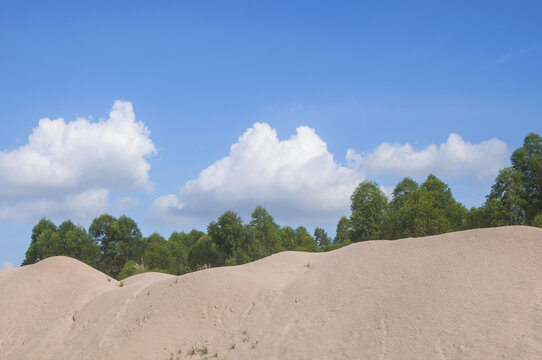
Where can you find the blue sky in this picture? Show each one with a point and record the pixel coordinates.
(405, 88)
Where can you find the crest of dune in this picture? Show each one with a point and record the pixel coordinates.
(474, 294)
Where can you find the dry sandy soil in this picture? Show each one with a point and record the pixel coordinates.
(469, 295)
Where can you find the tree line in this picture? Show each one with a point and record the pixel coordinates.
(117, 247)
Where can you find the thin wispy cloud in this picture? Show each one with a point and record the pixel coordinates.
(511, 55)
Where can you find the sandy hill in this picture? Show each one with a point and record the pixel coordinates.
(469, 295)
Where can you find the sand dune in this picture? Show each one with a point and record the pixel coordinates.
(469, 295)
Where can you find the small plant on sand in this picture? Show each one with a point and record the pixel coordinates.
(200, 350)
(202, 267)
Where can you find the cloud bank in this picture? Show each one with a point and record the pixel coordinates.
(454, 158)
(295, 179)
(70, 167)
(298, 179)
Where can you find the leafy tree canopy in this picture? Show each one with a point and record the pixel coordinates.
(322, 238)
(344, 230)
(230, 237)
(368, 207)
(528, 161)
(203, 253)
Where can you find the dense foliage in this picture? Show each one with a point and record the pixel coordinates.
(117, 247)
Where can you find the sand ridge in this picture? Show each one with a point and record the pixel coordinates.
(474, 294)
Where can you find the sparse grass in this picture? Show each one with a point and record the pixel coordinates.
(202, 267)
(200, 350)
(120, 284)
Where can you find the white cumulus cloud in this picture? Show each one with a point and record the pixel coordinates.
(294, 179)
(298, 179)
(70, 167)
(456, 157)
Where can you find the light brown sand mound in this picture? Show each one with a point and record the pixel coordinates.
(469, 295)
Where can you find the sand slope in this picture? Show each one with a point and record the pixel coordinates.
(469, 295)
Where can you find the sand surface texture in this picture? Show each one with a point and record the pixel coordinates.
(469, 295)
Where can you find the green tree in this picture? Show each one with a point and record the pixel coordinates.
(506, 204)
(402, 211)
(304, 241)
(528, 161)
(77, 243)
(203, 253)
(120, 240)
(179, 246)
(436, 210)
(32, 256)
(230, 237)
(41, 226)
(87, 250)
(49, 244)
(67, 240)
(537, 221)
(342, 235)
(287, 238)
(103, 232)
(130, 241)
(297, 239)
(131, 268)
(368, 207)
(157, 255)
(322, 238)
(477, 218)
(264, 235)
